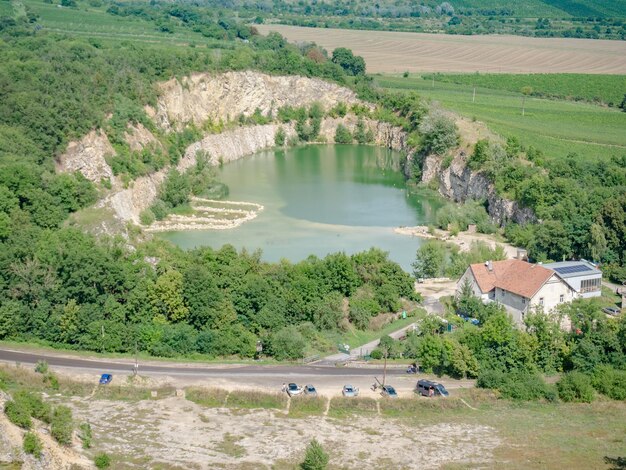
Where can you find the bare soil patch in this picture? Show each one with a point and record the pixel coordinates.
(177, 432)
(386, 51)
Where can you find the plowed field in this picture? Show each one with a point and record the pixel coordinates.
(386, 51)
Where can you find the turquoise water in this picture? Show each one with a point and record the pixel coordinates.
(320, 199)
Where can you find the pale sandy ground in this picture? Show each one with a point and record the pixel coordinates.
(176, 431)
(387, 51)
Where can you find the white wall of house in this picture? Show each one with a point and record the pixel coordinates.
(553, 293)
(475, 289)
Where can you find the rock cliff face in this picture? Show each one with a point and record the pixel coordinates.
(200, 97)
(459, 183)
(88, 155)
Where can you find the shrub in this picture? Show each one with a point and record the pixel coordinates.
(287, 343)
(41, 367)
(61, 426)
(376, 354)
(85, 435)
(342, 135)
(315, 458)
(159, 209)
(146, 217)
(34, 405)
(18, 414)
(102, 460)
(516, 385)
(575, 386)
(32, 444)
(279, 138)
(610, 382)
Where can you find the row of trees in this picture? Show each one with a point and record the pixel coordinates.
(64, 287)
(506, 357)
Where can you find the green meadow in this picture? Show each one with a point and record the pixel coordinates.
(557, 127)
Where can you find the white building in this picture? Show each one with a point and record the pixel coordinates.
(521, 287)
(582, 276)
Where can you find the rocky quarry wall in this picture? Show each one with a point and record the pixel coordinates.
(201, 97)
(459, 183)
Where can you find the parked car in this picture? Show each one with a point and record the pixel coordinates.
(310, 390)
(466, 317)
(428, 388)
(612, 311)
(293, 389)
(350, 391)
(105, 379)
(389, 392)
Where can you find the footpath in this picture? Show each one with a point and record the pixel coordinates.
(430, 304)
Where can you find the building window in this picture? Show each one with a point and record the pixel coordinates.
(590, 285)
(561, 298)
(541, 301)
(523, 301)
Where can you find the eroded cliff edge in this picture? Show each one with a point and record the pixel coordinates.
(204, 98)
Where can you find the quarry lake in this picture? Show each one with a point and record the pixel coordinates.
(320, 199)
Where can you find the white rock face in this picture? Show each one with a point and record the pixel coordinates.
(200, 97)
(88, 155)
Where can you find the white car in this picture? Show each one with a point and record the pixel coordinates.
(293, 389)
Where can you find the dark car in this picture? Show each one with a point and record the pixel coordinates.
(389, 392)
(612, 311)
(105, 379)
(310, 390)
(428, 388)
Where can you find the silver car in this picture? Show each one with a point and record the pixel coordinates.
(350, 391)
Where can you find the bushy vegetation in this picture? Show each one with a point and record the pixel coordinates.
(314, 458)
(61, 425)
(102, 460)
(575, 386)
(32, 444)
(438, 259)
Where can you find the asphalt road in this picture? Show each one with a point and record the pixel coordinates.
(192, 370)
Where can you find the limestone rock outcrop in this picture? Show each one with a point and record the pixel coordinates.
(200, 97)
(459, 183)
(88, 156)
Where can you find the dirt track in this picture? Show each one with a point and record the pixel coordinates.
(386, 51)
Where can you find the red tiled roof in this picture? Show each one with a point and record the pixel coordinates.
(512, 275)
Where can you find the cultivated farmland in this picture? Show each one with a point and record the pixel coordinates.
(556, 127)
(386, 51)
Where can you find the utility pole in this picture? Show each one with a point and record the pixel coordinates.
(385, 367)
(474, 95)
(433, 80)
(136, 366)
(102, 347)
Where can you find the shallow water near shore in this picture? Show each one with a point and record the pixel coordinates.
(320, 199)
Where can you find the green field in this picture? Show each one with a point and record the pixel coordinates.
(607, 89)
(557, 127)
(97, 23)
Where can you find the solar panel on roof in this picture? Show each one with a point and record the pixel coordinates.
(579, 268)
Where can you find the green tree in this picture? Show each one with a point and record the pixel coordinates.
(342, 135)
(439, 133)
(314, 458)
(353, 65)
(166, 297)
(287, 343)
(429, 260)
